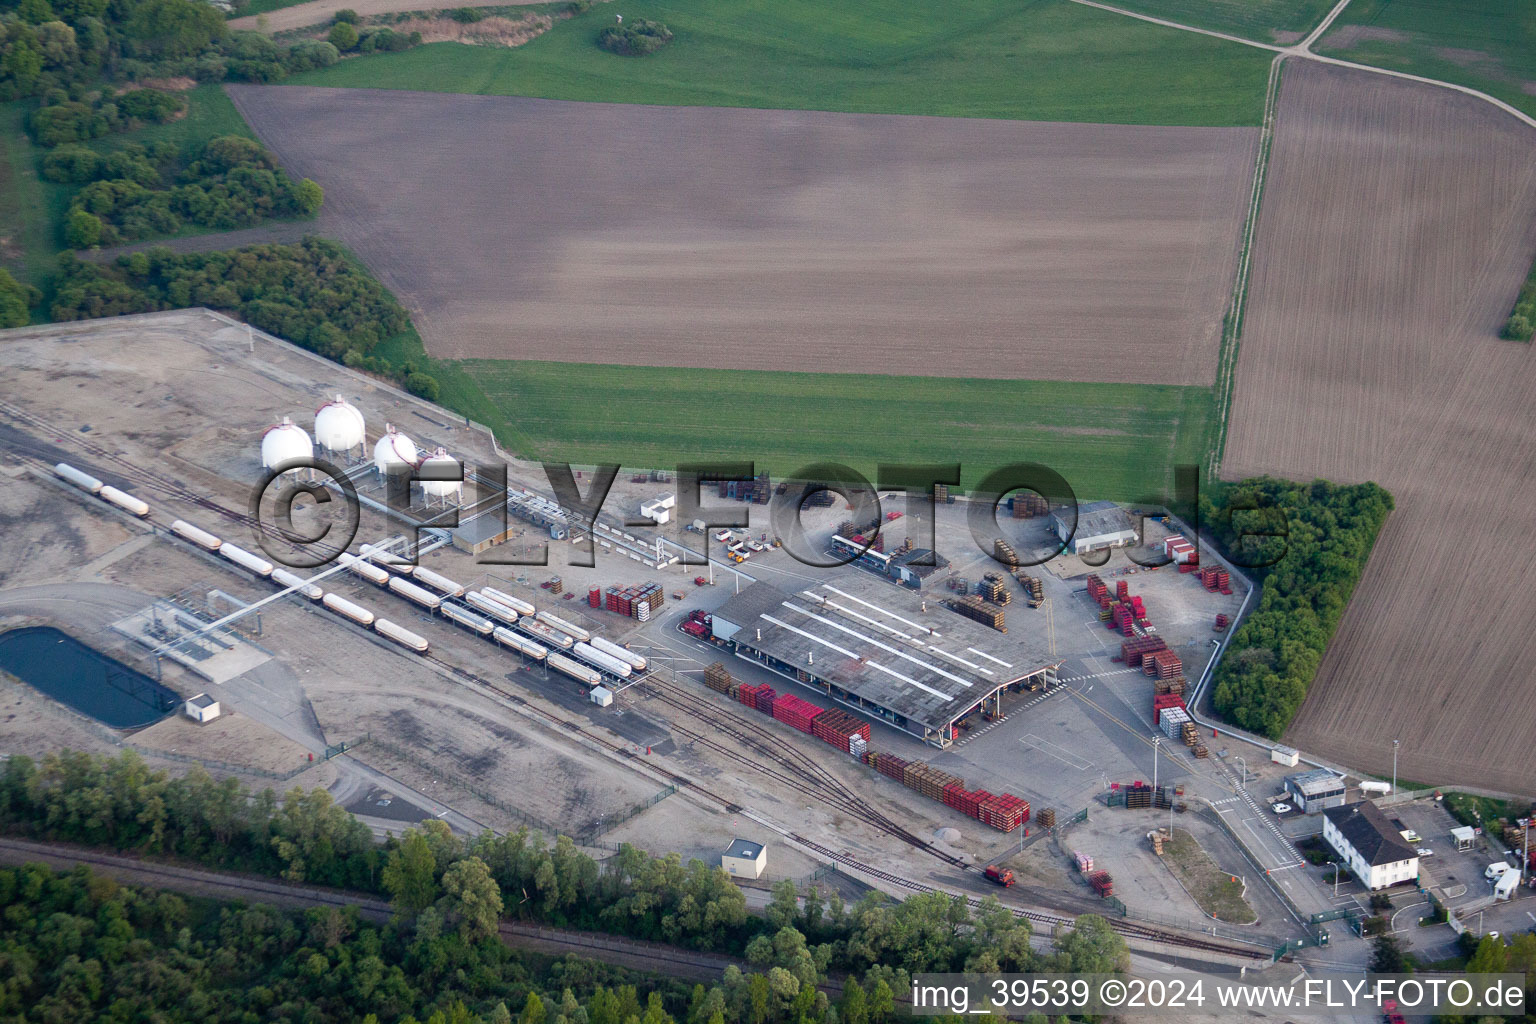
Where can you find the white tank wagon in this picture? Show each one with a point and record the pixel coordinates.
(202, 538)
(386, 558)
(495, 609)
(624, 654)
(411, 592)
(81, 479)
(367, 570)
(296, 582)
(606, 662)
(517, 604)
(341, 606)
(524, 646)
(568, 628)
(565, 666)
(124, 500)
(401, 635)
(544, 634)
(245, 560)
(437, 581)
(466, 618)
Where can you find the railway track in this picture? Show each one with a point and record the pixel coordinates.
(804, 773)
(128, 468)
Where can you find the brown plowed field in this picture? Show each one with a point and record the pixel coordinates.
(1398, 222)
(584, 232)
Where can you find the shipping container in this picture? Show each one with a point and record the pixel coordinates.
(124, 500)
(202, 538)
(79, 478)
(400, 635)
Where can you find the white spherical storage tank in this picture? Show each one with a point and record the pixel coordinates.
(283, 443)
(447, 465)
(339, 426)
(394, 452)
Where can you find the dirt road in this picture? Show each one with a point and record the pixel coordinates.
(317, 12)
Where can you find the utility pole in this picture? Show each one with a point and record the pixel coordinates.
(1394, 767)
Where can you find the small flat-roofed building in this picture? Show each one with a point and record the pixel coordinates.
(1316, 790)
(482, 532)
(745, 859)
(1100, 524)
(1463, 836)
(202, 708)
(1370, 847)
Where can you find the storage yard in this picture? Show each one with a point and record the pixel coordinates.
(1088, 252)
(437, 677)
(1403, 218)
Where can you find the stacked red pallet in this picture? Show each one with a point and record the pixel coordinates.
(1122, 590)
(963, 800)
(1102, 883)
(1004, 812)
(890, 766)
(1128, 625)
(747, 694)
(764, 700)
(1098, 591)
(1132, 651)
(793, 711)
(1163, 702)
(835, 727)
(1216, 579)
(1191, 566)
(1139, 608)
(1163, 664)
(595, 597)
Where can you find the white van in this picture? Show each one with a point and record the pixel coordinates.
(1495, 869)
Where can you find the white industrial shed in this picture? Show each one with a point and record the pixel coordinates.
(745, 859)
(202, 708)
(1100, 524)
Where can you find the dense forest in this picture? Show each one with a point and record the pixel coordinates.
(1307, 544)
(70, 47)
(140, 192)
(441, 884)
(311, 293)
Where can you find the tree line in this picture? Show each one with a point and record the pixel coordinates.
(72, 45)
(1311, 542)
(449, 893)
(140, 191)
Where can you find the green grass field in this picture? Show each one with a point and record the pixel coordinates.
(1029, 60)
(27, 230)
(1108, 440)
(1251, 19)
(1486, 44)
